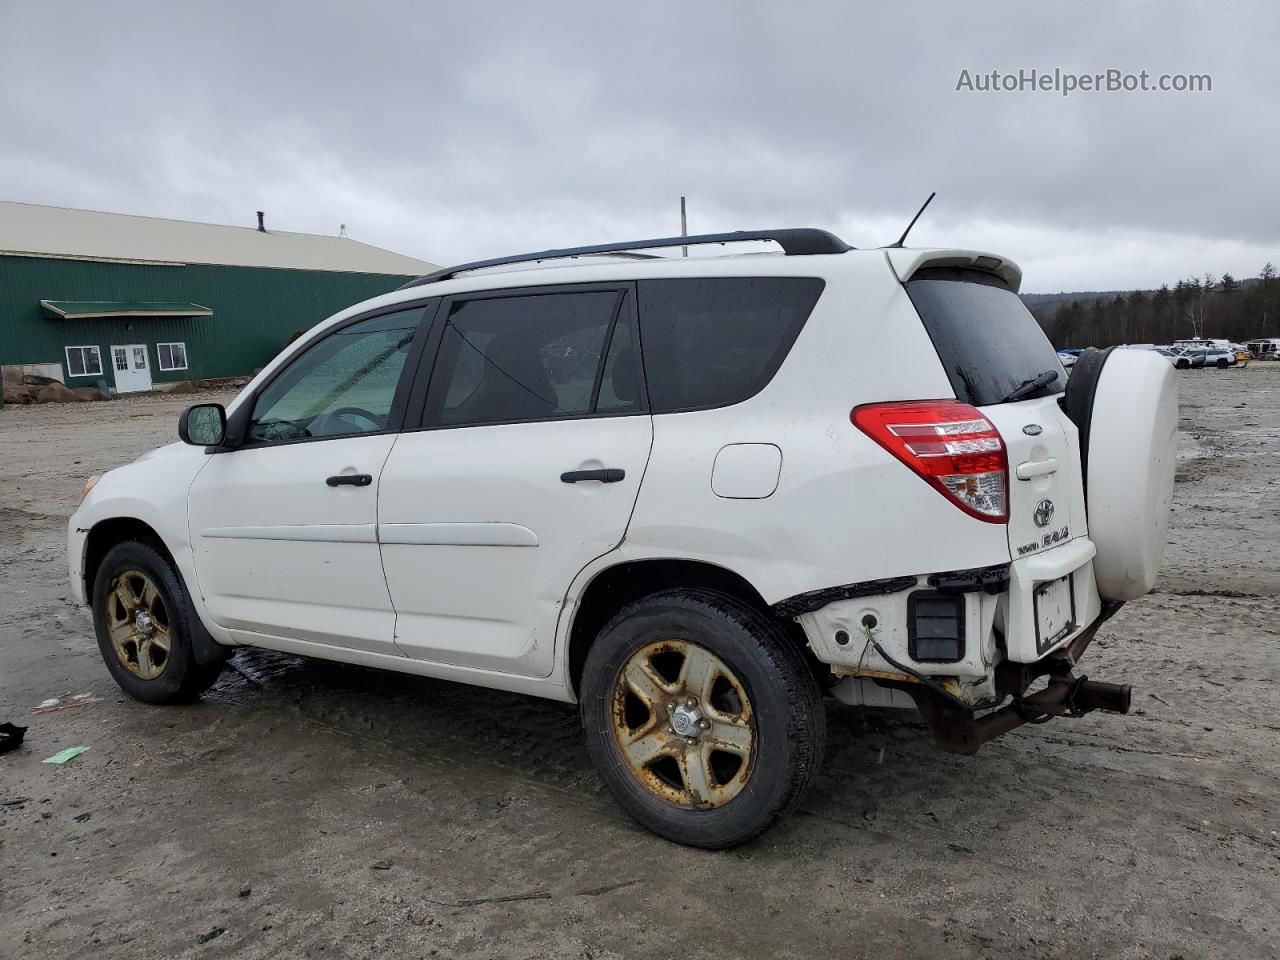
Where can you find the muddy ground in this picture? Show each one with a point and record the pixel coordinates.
(318, 810)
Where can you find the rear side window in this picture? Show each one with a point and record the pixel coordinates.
(710, 343)
(986, 339)
(534, 357)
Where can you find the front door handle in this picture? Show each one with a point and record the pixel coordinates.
(350, 480)
(606, 475)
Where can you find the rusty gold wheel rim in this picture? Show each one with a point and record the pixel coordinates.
(683, 724)
(138, 622)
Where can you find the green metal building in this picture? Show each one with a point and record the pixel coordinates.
(135, 303)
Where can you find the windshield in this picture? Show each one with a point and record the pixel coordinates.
(989, 344)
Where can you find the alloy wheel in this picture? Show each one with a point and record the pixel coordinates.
(683, 723)
(138, 622)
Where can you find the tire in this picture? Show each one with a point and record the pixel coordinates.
(1125, 405)
(1222, 364)
(1184, 364)
(759, 700)
(1078, 399)
(134, 569)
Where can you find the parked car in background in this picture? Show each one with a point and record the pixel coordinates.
(568, 481)
(1218, 352)
(1067, 359)
(1264, 348)
(1189, 359)
(1203, 343)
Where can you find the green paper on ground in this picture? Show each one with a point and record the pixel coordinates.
(62, 756)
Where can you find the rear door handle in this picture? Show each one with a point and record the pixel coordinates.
(1037, 468)
(606, 475)
(350, 480)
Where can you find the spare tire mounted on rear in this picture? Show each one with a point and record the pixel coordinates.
(1125, 405)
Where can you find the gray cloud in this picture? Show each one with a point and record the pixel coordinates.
(457, 131)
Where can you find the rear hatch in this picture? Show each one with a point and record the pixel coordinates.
(998, 359)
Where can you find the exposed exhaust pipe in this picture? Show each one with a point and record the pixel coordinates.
(1066, 695)
(1096, 695)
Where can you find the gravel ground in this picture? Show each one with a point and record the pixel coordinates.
(313, 809)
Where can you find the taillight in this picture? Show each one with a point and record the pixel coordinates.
(950, 444)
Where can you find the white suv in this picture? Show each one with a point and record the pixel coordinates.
(1217, 353)
(692, 495)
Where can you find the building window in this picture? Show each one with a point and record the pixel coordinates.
(173, 356)
(120, 357)
(84, 362)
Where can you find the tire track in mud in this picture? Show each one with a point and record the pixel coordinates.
(501, 737)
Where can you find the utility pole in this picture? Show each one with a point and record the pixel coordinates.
(684, 226)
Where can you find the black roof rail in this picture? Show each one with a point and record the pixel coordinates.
(795, 242)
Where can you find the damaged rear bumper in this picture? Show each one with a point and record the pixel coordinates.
(957, 730)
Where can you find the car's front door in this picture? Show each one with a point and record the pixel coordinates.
(523, 466)
(284, 528)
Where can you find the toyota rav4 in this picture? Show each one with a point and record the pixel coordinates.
(693, 495)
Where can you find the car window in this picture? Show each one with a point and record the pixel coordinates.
(341, 386)
(620, 387)
(713, 342)
(989, 343)
(532, 357)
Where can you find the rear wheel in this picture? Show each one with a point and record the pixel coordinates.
(144, 622)
(1223, 364)
(702, 717)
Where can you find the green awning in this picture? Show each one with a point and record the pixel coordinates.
(88, 309)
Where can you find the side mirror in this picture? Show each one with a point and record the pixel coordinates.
(204, 425)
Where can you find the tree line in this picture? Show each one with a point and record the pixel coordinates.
(1205, 306)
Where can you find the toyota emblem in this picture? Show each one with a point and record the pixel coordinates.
(1044, 513)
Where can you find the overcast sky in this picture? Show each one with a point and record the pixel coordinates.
(451, 132)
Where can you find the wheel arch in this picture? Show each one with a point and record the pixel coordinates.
(110, 531)
(612, 588)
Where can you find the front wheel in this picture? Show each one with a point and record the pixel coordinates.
(144, 623)
(1183, 364)
(702, 717)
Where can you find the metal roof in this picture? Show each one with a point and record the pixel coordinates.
(28, 229)
(93, 309)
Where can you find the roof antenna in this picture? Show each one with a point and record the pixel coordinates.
(903, 238)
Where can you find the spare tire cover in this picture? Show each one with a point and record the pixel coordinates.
(1125, 404)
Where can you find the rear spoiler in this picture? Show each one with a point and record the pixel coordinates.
(907, 262)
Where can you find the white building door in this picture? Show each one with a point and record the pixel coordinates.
(133, 372)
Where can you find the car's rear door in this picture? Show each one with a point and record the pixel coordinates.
(994, 352)
(523, 464)
(284, 528)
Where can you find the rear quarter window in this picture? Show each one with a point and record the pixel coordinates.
(987, 340)
(714, 342)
